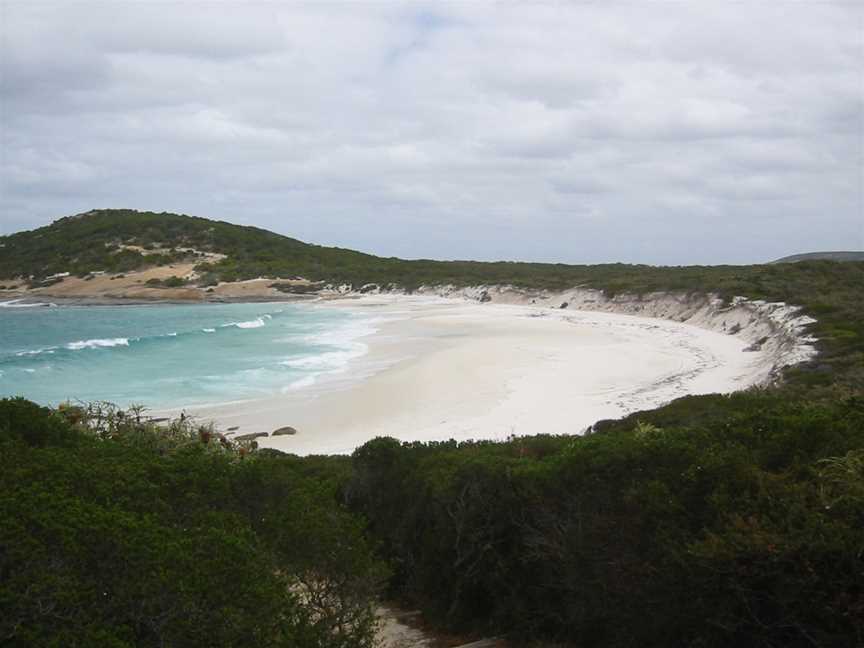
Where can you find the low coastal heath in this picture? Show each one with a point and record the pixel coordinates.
(441, 369)
(172, 355)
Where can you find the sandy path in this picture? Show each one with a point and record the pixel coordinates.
(469, 371)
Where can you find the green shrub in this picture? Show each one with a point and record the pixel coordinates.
(714, 521)
(114, 532)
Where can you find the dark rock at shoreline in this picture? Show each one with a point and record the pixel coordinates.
(284, 430)
(250, 436)
(757, 345)
(234, 428)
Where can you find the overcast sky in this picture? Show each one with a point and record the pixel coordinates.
(654, 132)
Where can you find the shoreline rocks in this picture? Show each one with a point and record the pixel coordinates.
(251, 436)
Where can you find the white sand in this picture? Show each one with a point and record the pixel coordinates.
(443, 369)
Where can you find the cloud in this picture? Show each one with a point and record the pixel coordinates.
(589, 132)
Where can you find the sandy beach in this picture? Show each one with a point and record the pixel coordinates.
(441, 369)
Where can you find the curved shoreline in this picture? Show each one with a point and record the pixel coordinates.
(775, 328)
(448, 368)
(428, 377)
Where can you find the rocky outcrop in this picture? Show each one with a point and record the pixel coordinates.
(250, 437)
(282, 431)
(775, 329)
(347, 290)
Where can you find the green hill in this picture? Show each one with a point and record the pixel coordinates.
(120, 240)
(822, 256)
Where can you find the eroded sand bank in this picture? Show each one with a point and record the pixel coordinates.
(440, 369)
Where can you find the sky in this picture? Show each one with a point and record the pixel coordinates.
(706, 131)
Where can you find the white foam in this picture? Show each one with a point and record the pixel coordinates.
(256, 323)
(17, 303)
(342, 336)
(251, 324)
(208, 330)
(341, 347)
(306, 381)
(97, 343)
(329, 360)
(36, 351)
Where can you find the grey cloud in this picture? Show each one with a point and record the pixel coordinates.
(579, 185)
(582, 133)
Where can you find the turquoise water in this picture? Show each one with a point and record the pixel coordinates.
(172, 355)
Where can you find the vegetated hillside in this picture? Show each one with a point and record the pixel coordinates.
(822, 256)
(120, 240)
(101, 240)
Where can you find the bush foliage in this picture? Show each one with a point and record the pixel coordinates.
(116, 533)
(744, 529)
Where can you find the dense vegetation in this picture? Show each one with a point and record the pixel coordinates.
(713, 521)
(94, 241)
(741, 526)
(822, 256)
(115, 533)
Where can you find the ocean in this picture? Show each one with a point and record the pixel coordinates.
(169, 356)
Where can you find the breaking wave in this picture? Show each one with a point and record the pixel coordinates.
(251, 324)
(97, 343)
(20, 303)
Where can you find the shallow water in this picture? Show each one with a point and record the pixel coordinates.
(170, 355)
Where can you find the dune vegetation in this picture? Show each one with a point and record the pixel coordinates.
(117, 532)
